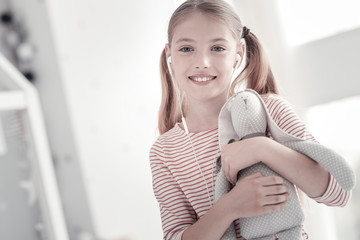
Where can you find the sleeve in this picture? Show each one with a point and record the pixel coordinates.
(176, 211)
(334, 195)
(287, 119)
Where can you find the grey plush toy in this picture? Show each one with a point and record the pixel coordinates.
(245, 115)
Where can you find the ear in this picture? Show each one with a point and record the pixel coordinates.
(167, 50)
(168, 54)
(241, 49)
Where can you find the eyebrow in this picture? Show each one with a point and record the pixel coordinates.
(192, 40)
(185, 40)
(219, 40)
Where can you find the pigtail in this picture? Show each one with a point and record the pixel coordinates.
(257, 71)
(169, 112)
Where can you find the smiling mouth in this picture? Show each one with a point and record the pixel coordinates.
(202, 79)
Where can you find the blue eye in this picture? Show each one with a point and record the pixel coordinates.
(218, 49)
(186, 49)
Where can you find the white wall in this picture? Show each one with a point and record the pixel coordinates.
(328, 69)
(31, 17)
(309, 73)
(109, 55)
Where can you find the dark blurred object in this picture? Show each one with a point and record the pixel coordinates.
(29, 76)
(6, 18)
(21, 51)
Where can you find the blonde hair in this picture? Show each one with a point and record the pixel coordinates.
(257, 71)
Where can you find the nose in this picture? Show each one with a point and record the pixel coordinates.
(202, 60)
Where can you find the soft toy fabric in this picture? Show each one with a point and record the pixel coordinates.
(245, 115)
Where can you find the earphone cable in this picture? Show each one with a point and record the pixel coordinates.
(198, 165)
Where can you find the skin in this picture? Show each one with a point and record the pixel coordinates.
(207, 49)
(204, 47)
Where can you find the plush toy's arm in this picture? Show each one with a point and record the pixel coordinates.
(287, 120)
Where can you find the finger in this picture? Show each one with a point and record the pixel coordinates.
(229, 173)
(271, 180)
(276, 199)
(273, 208)
(253, 176)
(226, 169)
(276, 189)
(232, 176)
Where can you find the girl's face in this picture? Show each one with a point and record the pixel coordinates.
(203, 52)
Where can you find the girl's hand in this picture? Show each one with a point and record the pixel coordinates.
(256, 195)
(239, 155)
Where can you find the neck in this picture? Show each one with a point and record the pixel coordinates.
(203, 115)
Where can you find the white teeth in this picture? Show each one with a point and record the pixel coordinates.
(203, 79)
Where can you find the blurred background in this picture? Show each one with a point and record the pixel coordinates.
(79, 97)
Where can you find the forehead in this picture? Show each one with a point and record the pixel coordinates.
(201, 27)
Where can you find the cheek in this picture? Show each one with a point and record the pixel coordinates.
(225, 64)
(226, 70)
(178, 66)
(179, 74)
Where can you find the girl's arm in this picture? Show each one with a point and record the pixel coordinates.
(175, 210)
(287, 119)
(334, 196)
(301, 170)
(179, 220)
(252, 196)
(307, 174)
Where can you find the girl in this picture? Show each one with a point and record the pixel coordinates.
(206, 42)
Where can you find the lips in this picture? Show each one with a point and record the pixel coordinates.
(202, 78)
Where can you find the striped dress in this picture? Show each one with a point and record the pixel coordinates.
(184, 184)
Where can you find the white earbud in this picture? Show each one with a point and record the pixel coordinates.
(238, 61)
(185, 125)
(169, 65)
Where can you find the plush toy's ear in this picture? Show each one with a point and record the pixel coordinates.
(248, 115)
(233, 124)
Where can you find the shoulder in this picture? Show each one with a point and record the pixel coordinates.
(277, 105)
(169, 137)
(164, 141)
(279, 108)
(271, 97)
(284, 115)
